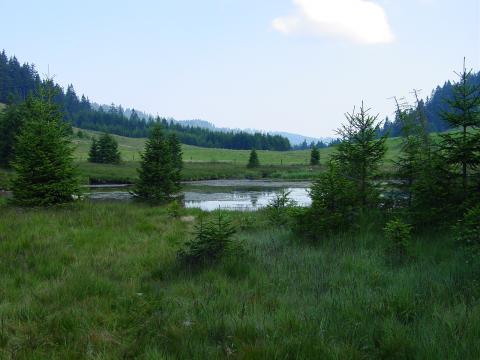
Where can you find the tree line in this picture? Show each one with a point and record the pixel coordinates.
(18, 81)
(433, 107)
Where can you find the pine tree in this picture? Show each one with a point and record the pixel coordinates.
(253, 161)
(176, 152)
(463, 148)
(104, 150)
(157, 180)
(11, 121)
(314, 156)
(415, 145)
(45, 174)
(108, 149)
(93, 153)
(360, 152)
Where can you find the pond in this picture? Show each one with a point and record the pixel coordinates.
(243, 195)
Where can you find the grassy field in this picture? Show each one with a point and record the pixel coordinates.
(101, 281)
(130, 149)
(204, 163)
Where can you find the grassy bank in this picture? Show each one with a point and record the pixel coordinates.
(127, 173)
(102, 281)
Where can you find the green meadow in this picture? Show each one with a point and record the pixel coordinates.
(101, 281)
(205, 163)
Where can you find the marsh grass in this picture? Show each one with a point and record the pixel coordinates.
(101, 281)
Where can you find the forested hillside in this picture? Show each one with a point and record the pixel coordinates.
(432, 108)
(17, 81)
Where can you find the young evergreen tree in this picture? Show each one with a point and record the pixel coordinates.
(108, 149)
(360, 152)
(176, 152)
(333, 205)
(414, 148)
(93, 155)
(157, 180)
(45, 174)
(104, 150)
(253, 161)
(11, 121)
(314, 156)
(434, 192)
(462, 148)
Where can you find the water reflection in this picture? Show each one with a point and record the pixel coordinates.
(242, 200)
(240, 195)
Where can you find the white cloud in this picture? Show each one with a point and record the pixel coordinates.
(361, 21)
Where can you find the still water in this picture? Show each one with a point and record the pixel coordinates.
(244, 195)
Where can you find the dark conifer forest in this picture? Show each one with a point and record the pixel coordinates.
(432, 107)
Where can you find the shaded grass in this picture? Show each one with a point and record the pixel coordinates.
(5, 178)
(101, 281)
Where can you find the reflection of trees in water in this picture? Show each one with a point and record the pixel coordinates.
(254, 199)
(254, 196)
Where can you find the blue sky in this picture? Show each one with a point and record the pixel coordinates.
(290, 65)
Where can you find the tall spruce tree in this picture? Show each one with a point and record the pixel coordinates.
(93, 155)
(314, 156)
(176, 153)
(11, 121)
(104, 150)
(415, 145)
(157, 179)
(108, 149)
(360, 152)
(253, 161)
(45, 174)
(462, 148)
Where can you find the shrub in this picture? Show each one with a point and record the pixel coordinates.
(314, 156)
(279, 209)
(253, 161)
(174, 209)
(212, 241)
(332, 210)
(468, 229)
(468, 235)
(398, 236)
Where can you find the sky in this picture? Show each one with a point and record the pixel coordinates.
(285, 65)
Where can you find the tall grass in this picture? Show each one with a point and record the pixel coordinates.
(101, 281)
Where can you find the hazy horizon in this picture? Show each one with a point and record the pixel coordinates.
(294, 66)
